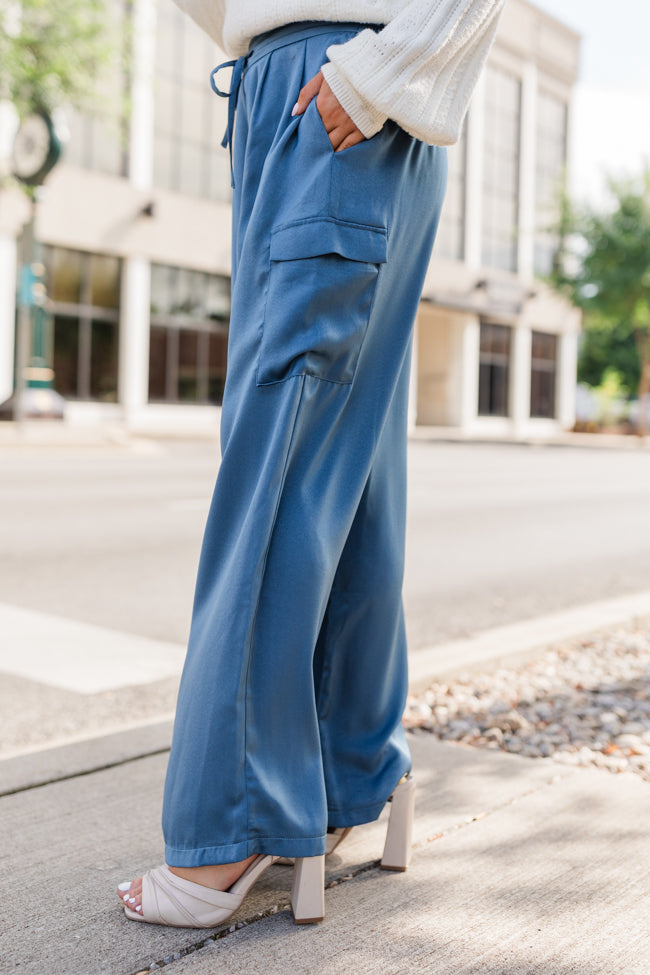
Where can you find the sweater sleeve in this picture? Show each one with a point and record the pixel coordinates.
(420, 70)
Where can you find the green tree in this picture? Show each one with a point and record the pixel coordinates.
(55, 52)
(604, 267)
(608, 344)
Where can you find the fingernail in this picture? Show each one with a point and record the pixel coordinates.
(124, 886)
(294, 110)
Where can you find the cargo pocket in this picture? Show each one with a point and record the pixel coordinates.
(322, 280)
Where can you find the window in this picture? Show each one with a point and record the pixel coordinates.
(501, 169)
(494, 370)
(542, 374)
(550, 163)
(190, 312)
(99, 135)
(450, 240)
(85, 294)
(98, 142)
(189, 118)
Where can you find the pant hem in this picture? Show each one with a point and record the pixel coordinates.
(233, 852)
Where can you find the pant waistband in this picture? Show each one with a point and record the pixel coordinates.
(263, 44)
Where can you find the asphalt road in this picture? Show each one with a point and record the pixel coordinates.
(496, 533)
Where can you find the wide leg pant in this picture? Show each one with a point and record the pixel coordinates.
(289, 712)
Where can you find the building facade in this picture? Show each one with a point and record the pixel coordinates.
(135, 233)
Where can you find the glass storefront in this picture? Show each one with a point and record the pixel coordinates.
(85, 293)
(494, 369)
(543, 373)
(190, 312)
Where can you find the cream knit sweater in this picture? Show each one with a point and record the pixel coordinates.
(420, 70)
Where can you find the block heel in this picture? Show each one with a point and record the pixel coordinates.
(397, 849)
(308, 890)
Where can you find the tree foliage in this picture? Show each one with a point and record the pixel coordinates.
(608, 344)
(604, 267)
(53, 52)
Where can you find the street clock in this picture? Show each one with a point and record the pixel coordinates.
(37, 148)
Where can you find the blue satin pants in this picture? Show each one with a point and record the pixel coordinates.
(290, 705)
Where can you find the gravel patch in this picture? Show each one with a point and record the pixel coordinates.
(583, 703)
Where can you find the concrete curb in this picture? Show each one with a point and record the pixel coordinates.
(497, 647)
(23, 772)
(567, 438)
(516, 642)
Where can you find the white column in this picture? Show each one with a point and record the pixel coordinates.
(141, 136)
(9, 122)
(520, 365)
(470, 343)
(527, 162)
(474, 176)
(567, 372)
(413, 380)
(8, 260)
(133, 382)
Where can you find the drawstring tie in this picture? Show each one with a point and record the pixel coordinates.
(232, 95)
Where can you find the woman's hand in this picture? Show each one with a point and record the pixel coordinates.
(339, 126)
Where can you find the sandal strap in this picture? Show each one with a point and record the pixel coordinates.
(168, 899)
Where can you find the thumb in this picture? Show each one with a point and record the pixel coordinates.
(309, 91)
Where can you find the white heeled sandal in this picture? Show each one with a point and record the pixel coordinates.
(172, 900)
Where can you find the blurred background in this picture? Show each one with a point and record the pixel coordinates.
(132, 225)
(531, 359)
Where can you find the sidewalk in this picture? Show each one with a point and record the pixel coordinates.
(520, 866)
(52, 692)
(116, 434)
(563, 438)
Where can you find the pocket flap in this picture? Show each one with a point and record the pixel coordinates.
(324, 235)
